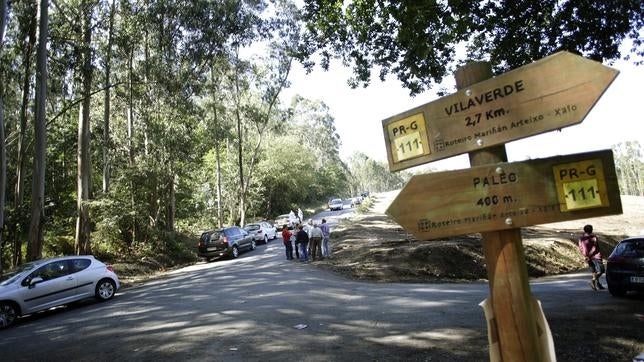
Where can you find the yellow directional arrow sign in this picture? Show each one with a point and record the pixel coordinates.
(552, 93)
(508, 195)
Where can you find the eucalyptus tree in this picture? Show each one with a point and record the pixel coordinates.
(107, 99)
(83, 228)
(312, 125)
(418, 41)
(34, 247)
(369, 174)
(26, 17)
(629, 162)
(3, 150)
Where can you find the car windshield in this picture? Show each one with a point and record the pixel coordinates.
(251, 227)
(336, 201)
(11, 276)
(285, 216)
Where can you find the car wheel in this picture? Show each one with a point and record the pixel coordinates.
(8, 314)
(105, 289)
(265, 239)
(616, 291)
(235, 251)
(253, 244)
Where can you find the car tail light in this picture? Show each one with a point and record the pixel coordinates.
(110, 268)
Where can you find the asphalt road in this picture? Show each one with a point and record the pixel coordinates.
(261, 307)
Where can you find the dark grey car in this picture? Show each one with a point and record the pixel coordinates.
(625, 267)
(226, 242)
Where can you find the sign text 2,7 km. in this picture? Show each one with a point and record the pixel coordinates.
(552, 93)
(508, 195)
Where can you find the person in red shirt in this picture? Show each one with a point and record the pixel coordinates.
(286, 238)
(589, 247)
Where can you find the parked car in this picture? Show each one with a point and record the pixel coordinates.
(226, 242)
(290, 220)
(336, 204)
(625, 267)
(47, 283)
(262, 231)
(356, 201)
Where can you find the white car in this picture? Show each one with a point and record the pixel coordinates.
(336, 204)
(261, 231)
(47, 283)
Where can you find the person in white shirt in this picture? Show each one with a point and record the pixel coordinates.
(315, 242)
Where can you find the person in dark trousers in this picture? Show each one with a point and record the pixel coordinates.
(302, 239)
(589, 247)
(286, 239)
(315, 241)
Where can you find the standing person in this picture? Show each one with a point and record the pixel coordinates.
(295, 244)
(300, 214)
(302, 238)
(292, 219)
(286, 239)
(589, 247)
(315, 239)
(326, 233)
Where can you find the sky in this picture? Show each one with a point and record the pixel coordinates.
(616, 117)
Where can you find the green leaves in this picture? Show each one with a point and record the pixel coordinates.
(417, 41)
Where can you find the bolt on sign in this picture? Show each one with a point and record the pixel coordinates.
(508, 195)
(552, 93)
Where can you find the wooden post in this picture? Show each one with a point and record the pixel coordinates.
(516, 326)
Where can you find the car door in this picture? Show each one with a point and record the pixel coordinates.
(244, 238)
(85, 278)
(56, 287)
(233, 236)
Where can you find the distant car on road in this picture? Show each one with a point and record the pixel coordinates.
(336, 204)
(261, 231)
(226, 242)
(47, 283)
(625, 267)
(356, 201)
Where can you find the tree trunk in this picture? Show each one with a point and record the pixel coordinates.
(19, 189)
(217, 134)
(106, 111)
(130, 135)
(3, 150)
(172, 204)
(240, 144)
(82, 245)
(34, 247)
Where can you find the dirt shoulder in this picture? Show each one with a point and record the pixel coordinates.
(371, 246)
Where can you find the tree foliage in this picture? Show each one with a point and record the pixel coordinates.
(629, 164)
(419, 42)
(170, 111)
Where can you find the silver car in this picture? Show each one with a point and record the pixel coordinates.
(48, 283)
(261, 231)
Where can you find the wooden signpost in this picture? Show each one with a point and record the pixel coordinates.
(552, 93)
(494, 197)
(508, 195)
